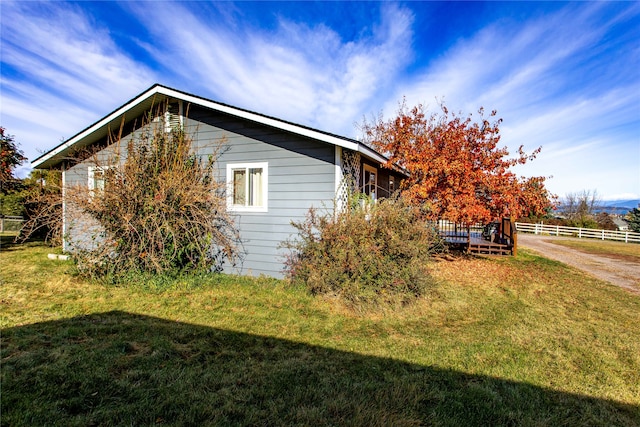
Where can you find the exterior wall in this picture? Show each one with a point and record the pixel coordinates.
(80, 231)
(301, 174)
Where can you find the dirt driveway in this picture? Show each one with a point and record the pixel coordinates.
(623, 273)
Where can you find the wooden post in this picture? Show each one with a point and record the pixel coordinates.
(514, 238)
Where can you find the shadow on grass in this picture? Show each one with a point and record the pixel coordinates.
(119, 368)
(7, 240)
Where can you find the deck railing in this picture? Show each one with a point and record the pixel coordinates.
(502, 238)
(586, 233)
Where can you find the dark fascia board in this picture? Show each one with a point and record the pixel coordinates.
(158, 93)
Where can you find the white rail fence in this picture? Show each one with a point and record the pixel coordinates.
(11, 224)
(583, 233)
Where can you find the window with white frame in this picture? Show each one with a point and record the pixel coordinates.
(247, 187)
(96, 175)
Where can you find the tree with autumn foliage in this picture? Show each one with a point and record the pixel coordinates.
(456, 169)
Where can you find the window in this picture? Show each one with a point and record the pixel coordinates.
(96, 180)
(369, 181)
(247, 187)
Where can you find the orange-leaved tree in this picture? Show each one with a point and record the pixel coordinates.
(456, 169)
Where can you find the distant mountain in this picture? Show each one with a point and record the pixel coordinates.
(619, 207)
(613, 207)
(629, 204)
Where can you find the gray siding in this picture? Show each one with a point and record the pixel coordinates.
(301, 174)
(80, 230)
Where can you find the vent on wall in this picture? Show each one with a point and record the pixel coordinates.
(173, 117)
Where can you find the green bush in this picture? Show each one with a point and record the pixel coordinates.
(369, 253)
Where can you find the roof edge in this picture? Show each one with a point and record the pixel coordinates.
(49, 155)
(262, 118)
(48, 159)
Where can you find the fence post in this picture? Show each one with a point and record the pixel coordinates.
(626, 237)
(557, 230)
(602, 234)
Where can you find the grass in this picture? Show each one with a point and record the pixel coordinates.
(522, 341)
(618, 250)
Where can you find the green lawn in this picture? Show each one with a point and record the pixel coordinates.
(620, 250)
(522, 341)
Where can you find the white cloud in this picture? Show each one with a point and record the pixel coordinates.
(67, 73)
(65, 50)
(63, 70)
(546, 81)
(296, 72)
(623, 196)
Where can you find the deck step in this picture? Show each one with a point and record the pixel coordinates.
(490, 249)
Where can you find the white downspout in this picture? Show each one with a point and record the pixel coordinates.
(338, 179)
(65, 244)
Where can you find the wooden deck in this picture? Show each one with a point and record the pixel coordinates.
(499, 241)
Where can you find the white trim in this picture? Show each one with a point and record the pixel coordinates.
(65, 243)
(265, 186)
(91, 177)
(167, 121)
(91, 183)
(338, 168)
(260, 118)
(105, 121)
(180, 96)
(339, 184)
(368, 152)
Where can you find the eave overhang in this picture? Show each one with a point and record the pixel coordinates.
(157, 94)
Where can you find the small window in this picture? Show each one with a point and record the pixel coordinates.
(392, 185)
(247, 187)
(96, 180)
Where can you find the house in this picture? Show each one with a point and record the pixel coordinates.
(620, 223)
(290, 167)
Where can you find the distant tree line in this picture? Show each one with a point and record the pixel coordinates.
(37, 198)
(583, 210)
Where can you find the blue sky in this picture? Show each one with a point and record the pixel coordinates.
(564, 76)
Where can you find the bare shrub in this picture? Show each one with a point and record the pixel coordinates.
(580, 209)
(43, 207)
(160, 210)
(369, 253)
